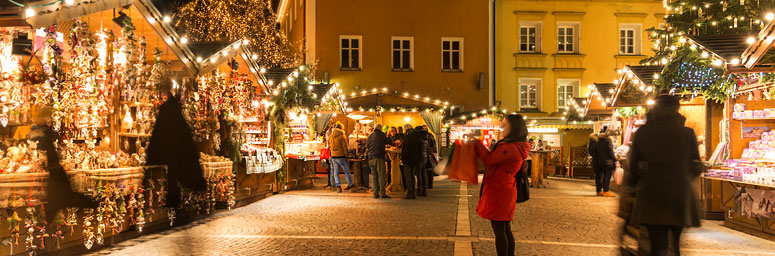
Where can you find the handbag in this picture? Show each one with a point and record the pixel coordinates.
(523, 186)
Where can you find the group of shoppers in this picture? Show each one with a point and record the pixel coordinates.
(418, 158)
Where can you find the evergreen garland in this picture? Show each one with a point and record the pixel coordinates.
(290, 95)
(700, 18)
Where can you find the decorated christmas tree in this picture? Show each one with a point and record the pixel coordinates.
(215, 20)
(692, 70)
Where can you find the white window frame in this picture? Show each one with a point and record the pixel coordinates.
(575, 42)
(637, 38)
(530, 82)
(360, 51)
(562, 85)
(537, 40)
(411, 52)
(460, 51)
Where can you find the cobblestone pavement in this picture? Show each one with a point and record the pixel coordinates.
(563, 219)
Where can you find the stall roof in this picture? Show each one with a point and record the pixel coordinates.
(762, 44)
(644, 75)
(277, 75)
(387, 100)
(726, 47)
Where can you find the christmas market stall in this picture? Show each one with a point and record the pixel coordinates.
(97, 74)
(392, 109)
(220, 107)
(293, 112)
(742, 182)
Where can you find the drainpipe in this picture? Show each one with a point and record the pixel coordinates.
(493, 12)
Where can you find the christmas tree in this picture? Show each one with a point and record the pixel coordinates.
(216, 20)
(689, 69)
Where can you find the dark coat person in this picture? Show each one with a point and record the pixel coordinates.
(606, 163)
(173, 145)
(411, 157)
(663, 161)
(59, 193)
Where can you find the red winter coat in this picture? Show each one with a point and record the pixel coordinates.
(499, 191)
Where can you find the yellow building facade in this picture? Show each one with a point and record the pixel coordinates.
(434, 48)
(548, 50)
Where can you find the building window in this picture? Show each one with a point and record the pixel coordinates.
(402, 53)
(629, 39)
(566, 89)
(452, 54)
(528, 93)
(350, 52)
(567, 38)
(530, 37)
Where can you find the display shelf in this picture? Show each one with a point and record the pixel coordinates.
(259, 142)
(136, 135)
(754, 119)
(740, 182)
(136, 104)
(256, 132)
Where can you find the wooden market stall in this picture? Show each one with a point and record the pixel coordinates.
(303, 140)
(106, 117)
(389, 108)
(744, 184)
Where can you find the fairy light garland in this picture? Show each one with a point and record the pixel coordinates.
(215, 20)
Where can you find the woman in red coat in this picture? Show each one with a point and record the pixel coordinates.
(499, 191)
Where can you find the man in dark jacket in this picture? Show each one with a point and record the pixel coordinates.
(421, 172)
(411, 153)
(606, 163)
(375, 149)
(663, 162)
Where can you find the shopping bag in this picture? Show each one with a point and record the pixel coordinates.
(618, 175)
(464, 166)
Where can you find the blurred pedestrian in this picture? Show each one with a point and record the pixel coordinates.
(172, 144)
(375, 148)
(431, 158)
(663, 162)
(411, 158)
(59, 193)
(498, 195)
(606, 164)
(337, 144)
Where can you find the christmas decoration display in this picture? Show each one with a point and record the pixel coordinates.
(691, 69)
(214, 20)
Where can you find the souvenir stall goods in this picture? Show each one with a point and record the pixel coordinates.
(218, 172)
(101, 92)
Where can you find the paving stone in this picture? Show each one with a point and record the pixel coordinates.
(566, 218)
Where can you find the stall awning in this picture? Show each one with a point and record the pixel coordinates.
(580, 125)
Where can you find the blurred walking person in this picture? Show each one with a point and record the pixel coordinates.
(430, 163)
(663, 161)
(498, 195)
(375, 150)
(172, 144)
